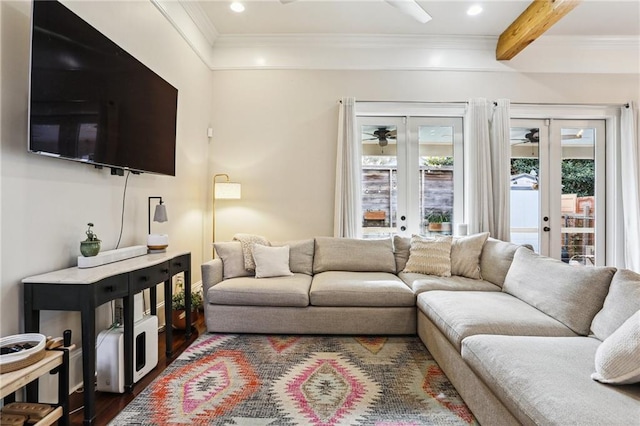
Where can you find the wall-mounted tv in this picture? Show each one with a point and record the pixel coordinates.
(91, 101)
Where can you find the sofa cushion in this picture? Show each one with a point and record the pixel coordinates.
(420, 283)
(465, 255)
(350, 254)
(430, 256)
(232, 259)
(459, 314)
(271, 261)
(622, 301)
(572, 295)
(338, 288)
(546, 380)
(300, 255)
(401, 247)
(496, 259)
(618, 357)
(280, 291)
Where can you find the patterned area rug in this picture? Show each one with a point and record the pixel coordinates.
(229, 379)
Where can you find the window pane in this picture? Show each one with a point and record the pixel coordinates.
(578, 196)
(436, 178)
(525, 198)
(379, 180)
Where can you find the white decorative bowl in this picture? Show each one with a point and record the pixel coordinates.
(39, 339)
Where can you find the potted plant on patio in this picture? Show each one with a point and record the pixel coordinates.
(439, 221)
(178, 312)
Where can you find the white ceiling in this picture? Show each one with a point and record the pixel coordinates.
(589, 18)
(598, 36)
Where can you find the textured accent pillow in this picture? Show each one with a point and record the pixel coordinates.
(247, 241)
(570, 294)
(465, 255)
(271, 261)
(622, 301)
(431, 256)
(232, 259)
(618, 357)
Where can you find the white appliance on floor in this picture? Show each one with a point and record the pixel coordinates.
(110, 354)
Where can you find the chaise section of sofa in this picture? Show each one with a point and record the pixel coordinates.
(548, 380)
(526, 355)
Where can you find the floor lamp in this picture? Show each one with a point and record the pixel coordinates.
(225, 190)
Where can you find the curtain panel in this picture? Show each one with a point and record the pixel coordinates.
(348, 198)
(630, 184)
(487, 167)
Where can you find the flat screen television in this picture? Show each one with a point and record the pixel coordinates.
(91, 101)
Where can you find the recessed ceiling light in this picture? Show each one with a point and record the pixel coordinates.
(236, 6)
(474, 10)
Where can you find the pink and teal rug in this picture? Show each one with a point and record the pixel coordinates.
(243, 379)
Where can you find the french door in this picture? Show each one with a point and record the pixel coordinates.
(557, 188)
(411, 174)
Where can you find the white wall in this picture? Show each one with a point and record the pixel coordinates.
(46, 203)
(275, 131)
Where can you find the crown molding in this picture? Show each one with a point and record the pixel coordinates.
(362, 41)
(199, 17)
(548, 54)
(184, 23)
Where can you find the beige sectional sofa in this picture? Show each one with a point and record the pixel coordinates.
(518, 334)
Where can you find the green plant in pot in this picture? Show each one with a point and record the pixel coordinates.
(90, 246)
(439, 220)
(178, 312)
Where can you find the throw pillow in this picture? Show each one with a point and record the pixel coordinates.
(431, 256)
(622, 301)
(271, 261)
(232, 259)
(465, 255)
(618, 357)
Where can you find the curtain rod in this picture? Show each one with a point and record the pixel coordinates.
(626, 105)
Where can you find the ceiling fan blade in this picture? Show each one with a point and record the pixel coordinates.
(411, 8)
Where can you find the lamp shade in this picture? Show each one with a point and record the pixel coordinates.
(160, 214)
(228, 191)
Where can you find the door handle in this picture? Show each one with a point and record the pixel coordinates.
(546, 229)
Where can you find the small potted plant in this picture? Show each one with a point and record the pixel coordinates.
(178, 312)
(439, 221)
(90, 246)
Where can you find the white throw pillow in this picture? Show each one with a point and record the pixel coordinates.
(271, 261)
(618, 357)
(431, 256)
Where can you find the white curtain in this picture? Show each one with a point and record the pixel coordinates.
(630, 186)
(487, 170)
(501, 169)
(348, 199)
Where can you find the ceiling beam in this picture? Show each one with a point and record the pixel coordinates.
(531, 24)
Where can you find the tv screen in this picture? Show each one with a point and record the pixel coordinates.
(91, 101)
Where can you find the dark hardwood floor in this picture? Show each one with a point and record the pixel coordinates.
(108, 405)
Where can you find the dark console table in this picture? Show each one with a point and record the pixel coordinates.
(76, 289)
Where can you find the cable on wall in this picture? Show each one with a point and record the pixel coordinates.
(124, 198)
